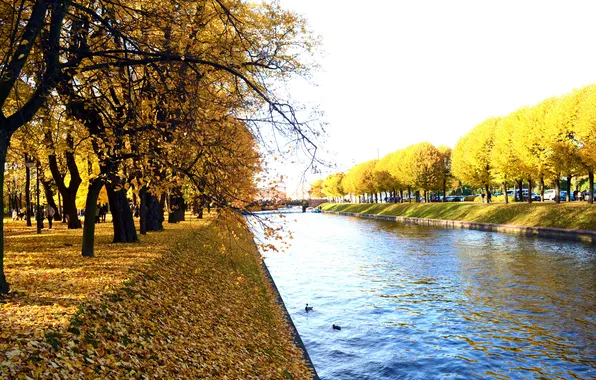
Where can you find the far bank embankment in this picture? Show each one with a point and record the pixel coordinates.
(576, 221)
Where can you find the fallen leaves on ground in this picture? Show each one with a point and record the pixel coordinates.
(189, 302)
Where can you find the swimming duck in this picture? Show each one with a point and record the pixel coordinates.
(307, 308)
(336, 327)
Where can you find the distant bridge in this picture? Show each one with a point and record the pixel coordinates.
(316, 202)
(311, 202)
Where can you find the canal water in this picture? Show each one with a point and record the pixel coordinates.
(421, 303)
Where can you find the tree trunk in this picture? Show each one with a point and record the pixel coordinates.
(27, 192)
(444, 189)
(155, 217)
(90, 211)
(558, 190)
(69, 194)
(591, 189)
(488, 197)
(529, 190)
(4, 141)
(122, 219)
(61, 210)
(542, 188)
(520, 193)
(143, 211)
(505, 193)
(568, 187)
(177, 208)
(47, 188)
(162, 203)
(200, 206)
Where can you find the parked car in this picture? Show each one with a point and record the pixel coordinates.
(549, 195)
(535, 197)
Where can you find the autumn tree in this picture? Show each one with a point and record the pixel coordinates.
(332, 186)
(88, 52)
(445, 165)
(424, 164)
(471, 157)
(586, 135)
(316, 189)
(384, 180)
(360, 179)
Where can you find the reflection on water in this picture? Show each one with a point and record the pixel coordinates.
(418, 302)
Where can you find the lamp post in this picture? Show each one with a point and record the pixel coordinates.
(31, 163)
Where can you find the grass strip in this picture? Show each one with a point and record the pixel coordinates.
(572, 216)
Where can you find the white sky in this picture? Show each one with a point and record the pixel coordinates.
(395, 73)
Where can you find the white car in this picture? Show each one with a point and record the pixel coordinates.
(549, 195)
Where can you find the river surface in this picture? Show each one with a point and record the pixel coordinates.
(419, 302)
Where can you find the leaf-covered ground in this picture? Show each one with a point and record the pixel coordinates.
(189, 302)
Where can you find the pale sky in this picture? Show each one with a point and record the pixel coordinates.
(395, 73)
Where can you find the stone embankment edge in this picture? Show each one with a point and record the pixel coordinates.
(557, 233)
(297, 340)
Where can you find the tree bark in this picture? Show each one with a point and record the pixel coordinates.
(487, 193)
(542, 188)
(143, 211)
(520, 193)
(162, 203)
(505, 193)
(69, 194)
(201, 206)
(591, 189)
(558, 190)
(529, 190)
(4, 142)
(90, 210)
(177, 208)
(28, 192)
(122, 219)
(568, 187)
(155, 217)
(60, 207)
(47, 189)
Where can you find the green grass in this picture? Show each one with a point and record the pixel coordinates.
(566, 215)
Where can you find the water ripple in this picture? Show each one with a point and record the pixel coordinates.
(421, 303)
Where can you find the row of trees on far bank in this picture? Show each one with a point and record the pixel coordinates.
(399, 175)
(533, 147)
